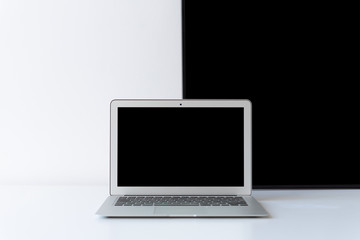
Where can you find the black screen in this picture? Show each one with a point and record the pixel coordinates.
(293, 64)
(180, 147)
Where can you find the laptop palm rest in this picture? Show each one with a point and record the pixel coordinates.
(180, 211)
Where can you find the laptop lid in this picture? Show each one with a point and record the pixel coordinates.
(180, 147)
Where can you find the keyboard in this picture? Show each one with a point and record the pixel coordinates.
(180, 201)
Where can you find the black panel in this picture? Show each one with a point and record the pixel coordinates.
(195, 146)
(294, 65)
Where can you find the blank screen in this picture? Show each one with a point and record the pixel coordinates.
(180, 147)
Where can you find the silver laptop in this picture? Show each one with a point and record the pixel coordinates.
(180, 158)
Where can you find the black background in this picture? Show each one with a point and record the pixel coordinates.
(295, 63)
(180, 147)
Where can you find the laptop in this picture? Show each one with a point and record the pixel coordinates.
(180, 158)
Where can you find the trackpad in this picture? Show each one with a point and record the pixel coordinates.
(180, 211)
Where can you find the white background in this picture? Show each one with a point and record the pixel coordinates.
(61, 63)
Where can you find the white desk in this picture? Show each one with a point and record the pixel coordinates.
(67, 212)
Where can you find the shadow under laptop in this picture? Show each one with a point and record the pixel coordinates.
(182, 228)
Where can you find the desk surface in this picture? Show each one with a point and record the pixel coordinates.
(67, 212)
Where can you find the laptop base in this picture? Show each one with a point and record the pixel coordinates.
(254, 209)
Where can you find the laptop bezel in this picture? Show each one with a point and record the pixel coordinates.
(241, 190)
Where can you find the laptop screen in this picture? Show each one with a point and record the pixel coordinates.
(180, 147)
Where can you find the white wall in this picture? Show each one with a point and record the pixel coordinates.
(61, 63)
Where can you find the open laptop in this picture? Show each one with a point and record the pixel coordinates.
(180, 158)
